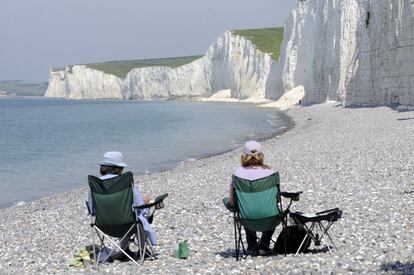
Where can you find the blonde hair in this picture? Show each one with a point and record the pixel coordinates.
(253, 160)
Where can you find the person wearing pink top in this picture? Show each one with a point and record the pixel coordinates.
(253, 168)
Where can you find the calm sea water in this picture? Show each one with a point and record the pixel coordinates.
(50, 146)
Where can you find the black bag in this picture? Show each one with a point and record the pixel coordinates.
(293, 236)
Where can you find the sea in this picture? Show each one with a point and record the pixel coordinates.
(49, 146)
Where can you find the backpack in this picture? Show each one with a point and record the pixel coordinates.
(293, 235)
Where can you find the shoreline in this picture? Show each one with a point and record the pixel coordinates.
(281, 114)
(286, 123)
(290, 124)
(330, 154)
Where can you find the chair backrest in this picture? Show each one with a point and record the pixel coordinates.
(112, 199)
(257, 201)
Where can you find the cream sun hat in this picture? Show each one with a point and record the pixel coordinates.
(113, 158)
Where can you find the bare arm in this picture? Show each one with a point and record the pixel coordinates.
(137, 192)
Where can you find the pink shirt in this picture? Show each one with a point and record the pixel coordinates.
(253, 173)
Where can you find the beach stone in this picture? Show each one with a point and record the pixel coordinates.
(357, 159)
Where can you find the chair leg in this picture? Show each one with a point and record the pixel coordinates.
(308, 235)
(327, 245)
(301, 244)
(141, 249)
(152, 250)
(238, 239)
(143, 244)
(333, 244)
(95, 257)
(117, 246)
(235, 241)
(284, 225)
(325, 231)
(102, 240)
(241, 240)
(242, 243)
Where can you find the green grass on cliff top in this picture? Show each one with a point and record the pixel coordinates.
(266, 40)
(122, 67)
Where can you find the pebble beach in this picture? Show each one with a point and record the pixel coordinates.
(358, 159)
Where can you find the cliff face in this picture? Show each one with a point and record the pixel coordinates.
(236, 64)
(163, 82)
(232, 62)
(80, 81)
(354, 51)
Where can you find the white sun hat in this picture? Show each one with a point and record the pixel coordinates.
(252, 147)
(113, 158)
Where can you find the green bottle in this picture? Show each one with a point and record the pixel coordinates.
(183, 250)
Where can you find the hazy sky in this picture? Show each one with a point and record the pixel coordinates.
(38, 34)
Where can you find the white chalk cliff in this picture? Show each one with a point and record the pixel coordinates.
(353, 51)
(232, 62)
(79, 81)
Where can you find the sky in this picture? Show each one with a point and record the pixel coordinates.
(36, 35)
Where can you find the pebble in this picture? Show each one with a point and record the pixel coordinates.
(358, 159)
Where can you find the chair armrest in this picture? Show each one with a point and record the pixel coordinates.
(161, 198)
(158, 203)
(226, 202)
(291, 195)
(87, 207)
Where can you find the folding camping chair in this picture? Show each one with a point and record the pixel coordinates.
(258, 206)
(112, 216)
(317, 225)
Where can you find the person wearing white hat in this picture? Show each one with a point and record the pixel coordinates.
(253, 168)
(113, 159)
(112, 165)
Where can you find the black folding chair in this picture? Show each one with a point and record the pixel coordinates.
(317, 225)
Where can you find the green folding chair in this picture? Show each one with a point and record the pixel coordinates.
(113, 219)
(258, 207)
